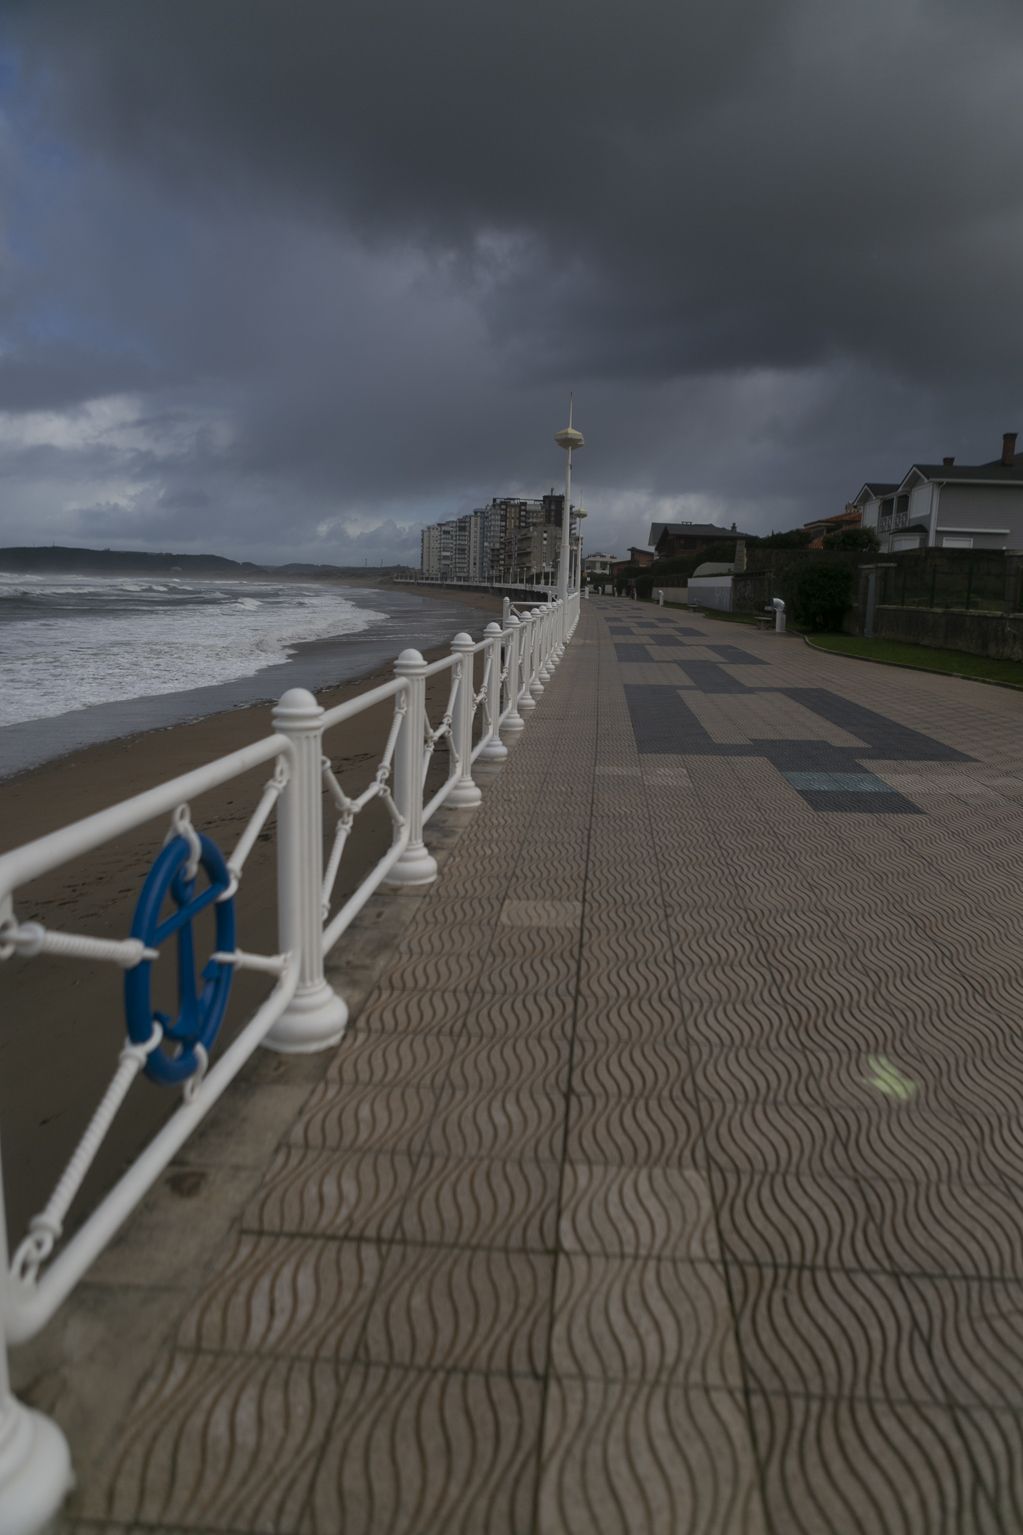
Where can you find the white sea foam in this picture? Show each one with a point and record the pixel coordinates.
(68, 642)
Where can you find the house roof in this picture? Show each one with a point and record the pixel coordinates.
(706, 530)
(992, 473)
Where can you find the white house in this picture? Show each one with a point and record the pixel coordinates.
(949, 505)
(598, 564)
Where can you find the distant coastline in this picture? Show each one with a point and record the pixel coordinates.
(59, 559)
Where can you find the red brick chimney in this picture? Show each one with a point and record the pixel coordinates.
(1008, 449)
(948, 462)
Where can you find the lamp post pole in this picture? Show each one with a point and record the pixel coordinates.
(568, 439)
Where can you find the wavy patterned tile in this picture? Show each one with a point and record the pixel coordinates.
(282, 1295)
(435, 970)
(426, 1012)
(528, 970)
(450, 912)
(532, 1061)
(461, 1309)
(817, 1332)
(228, 1442)
(620, 1457)
(993, 1438)
(630, 945)
(603, 991)
(519, 1122)
(476, 1203)
(974, 1329)
(636, 1132)
(859, 1467)
(637, 1211)
(891, 1141)
(347, 1118)
(639, 1016)
(331, 1194)
(804, 1221)
(548, 1012)
(643, 1319)
(375, 1058)
(950, 1228)
(640, 1069)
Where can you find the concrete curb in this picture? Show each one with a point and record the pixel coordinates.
(907, 666)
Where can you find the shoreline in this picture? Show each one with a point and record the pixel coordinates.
(318, 663)
(63, 1018)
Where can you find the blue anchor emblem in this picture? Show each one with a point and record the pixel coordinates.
(190, 1035)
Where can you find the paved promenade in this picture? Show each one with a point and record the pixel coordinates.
(671, 1179)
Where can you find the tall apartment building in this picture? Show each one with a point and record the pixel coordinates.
(510, 541)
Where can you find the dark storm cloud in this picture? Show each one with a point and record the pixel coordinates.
(366, 247)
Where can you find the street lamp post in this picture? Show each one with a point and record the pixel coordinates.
(568, 439)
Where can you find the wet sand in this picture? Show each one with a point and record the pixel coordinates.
(62, 1020)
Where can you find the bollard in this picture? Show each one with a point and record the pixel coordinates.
(416, 866)
(316, 1016)
(513, 721)
(779, 615)
(494, 749)
(465, 794)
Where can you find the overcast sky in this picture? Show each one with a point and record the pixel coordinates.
(286, 280)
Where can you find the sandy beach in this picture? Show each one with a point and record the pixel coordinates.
(63, 1019)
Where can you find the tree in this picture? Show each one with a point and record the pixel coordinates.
(821, 594)
(796, 538)
(852, 538)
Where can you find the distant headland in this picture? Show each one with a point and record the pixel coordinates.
(55, 559)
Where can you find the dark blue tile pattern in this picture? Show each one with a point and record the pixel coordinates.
(829, 778)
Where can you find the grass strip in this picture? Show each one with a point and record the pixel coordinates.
(922, 658)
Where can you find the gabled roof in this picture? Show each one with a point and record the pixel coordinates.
(708, 530)
(874, 488)
(993, 473)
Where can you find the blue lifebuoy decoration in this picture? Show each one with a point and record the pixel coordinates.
(200, 1013)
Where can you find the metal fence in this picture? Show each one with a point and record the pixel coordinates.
(493, 685)
(967, 580)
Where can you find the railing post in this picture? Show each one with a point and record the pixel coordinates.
(527, 645)
(465, 794)
(494, 749)
(35, 1462)
(316, 1016)
(505, 611)
(514, 721)
(540, 620)
(552, 626)
(416, 866)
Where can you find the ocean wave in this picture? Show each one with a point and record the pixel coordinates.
(68, 644)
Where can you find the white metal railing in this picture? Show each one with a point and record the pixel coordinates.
(492, 683)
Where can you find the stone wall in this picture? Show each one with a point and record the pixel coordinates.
(981, 634)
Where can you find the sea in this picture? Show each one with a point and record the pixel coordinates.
(93, 658)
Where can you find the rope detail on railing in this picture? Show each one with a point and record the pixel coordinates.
(181, 826)
(272, 791)
(45, 1229)
(30, 938)
(431, 738)
(348, 808)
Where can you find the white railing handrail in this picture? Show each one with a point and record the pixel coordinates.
(47, 853)
(302, 1011)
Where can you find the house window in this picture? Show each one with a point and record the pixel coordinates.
(956, 542)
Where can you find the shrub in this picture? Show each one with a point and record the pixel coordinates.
(796, 538)
(852, 538)
(821, 595)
